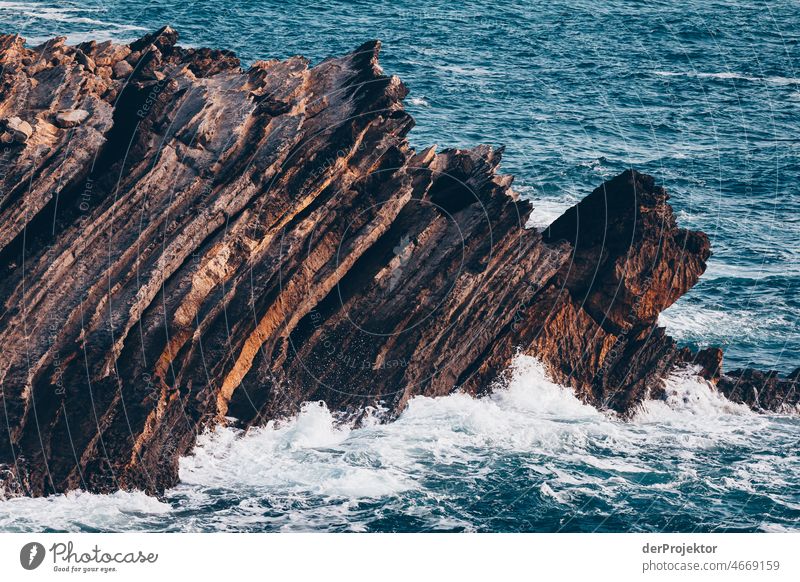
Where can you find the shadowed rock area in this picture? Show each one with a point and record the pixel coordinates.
(185, 243)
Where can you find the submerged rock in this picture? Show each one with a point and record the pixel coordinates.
(212, 243)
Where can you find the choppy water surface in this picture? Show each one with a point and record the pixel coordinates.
(529, 458)
(703, 95)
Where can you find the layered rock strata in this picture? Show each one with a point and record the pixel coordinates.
(185, 243)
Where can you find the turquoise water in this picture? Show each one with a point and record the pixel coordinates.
(704, 95)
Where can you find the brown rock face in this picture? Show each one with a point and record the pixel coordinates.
(630, 262)
(209, 244)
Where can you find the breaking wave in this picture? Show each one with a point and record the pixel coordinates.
(530, 457)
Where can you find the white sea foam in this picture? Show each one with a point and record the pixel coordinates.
(545, 208)
(725, 75)
(531, 416)
(545, 211)
(690, 400)
(465, 70)
(312, 472)
(717, 326)
(78, 510)
(302, 455)
(100, 29)
(314, 453)
(419, 102)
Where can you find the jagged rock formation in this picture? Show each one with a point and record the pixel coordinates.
(185, 243)
(762, 390)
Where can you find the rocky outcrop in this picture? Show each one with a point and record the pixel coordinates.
(763, 391)
(186, 243)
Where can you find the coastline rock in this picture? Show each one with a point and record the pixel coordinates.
(216, 245)
(763, 391)
(71, 118)
(81, 57)
(122, 69)
(19, 130)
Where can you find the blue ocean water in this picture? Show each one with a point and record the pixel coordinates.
(704, 95)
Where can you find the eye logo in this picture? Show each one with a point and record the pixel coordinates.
(31, 555)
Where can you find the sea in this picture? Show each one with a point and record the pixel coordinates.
(703, 94)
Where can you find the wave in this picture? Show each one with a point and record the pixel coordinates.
(80, 511)
(302, 455)
(728, 75)
(72, 15)
(546, 208)
(314, 453)
(531, 449)
(545, 212)
(763, 322)
(688, 322)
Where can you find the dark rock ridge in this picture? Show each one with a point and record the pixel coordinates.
(185, 243)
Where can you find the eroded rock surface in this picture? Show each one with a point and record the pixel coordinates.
(206, 244)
